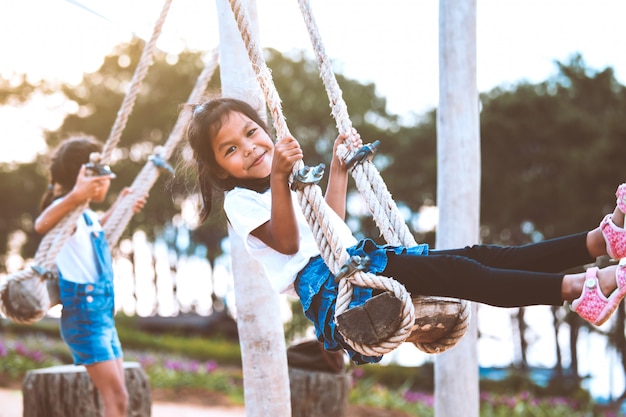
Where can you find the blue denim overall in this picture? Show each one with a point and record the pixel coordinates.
(87, 319)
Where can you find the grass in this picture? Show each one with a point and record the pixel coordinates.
(174, 362)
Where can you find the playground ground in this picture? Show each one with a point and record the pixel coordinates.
(11, 406)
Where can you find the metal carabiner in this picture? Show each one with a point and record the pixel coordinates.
(161, 163)
(44, 273)
(306, 176)
(366, 152)
(352, 265)
(95, 168)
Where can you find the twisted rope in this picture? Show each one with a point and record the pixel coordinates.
(315, 208)
(369, 181)
(145, 179)
(32, 303)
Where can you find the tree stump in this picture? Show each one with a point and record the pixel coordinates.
(318, 394)
(67, 391)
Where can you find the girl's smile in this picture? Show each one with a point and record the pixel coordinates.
(242, 148)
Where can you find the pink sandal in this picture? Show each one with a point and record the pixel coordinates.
(615, 236)
(621, 197)
(592, 305)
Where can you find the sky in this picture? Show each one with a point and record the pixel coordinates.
(393, 44)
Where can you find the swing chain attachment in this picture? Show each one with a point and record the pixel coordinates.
(157, 159)
(307, 176)
(354, 264)
(44, 273)
(95, 168)
(366, 152)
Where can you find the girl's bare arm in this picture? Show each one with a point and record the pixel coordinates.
(337, 189)
(85, 188)
(281, 231)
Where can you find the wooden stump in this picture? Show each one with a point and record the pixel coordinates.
(318, 394)
(67, 391)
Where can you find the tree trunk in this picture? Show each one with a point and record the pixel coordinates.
(67, 391)
(318, 394)
(458, 189)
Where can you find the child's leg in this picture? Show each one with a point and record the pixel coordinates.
(460, 277)
(552, 255)
(108, 377)
(450, 275)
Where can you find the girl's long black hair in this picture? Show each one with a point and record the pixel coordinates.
(66, 161)
(206, 121)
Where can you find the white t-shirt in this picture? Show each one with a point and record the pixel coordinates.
(247, 210)
(77, 260)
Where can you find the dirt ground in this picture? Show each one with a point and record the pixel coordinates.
(186, 403)
(202, 398)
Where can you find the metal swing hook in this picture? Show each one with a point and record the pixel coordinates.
(95, 168)
(159, 162)
(306, 176)
(366, 152)
(44, 273)
(354, 264)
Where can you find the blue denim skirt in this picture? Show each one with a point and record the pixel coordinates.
(317, 290)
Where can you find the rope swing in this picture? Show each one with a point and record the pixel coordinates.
(441, 321)
(145, 179)
(25, 296)
(315, 211)
(387, 216)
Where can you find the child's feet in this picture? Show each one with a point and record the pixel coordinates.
(612, 227)
(593, 305)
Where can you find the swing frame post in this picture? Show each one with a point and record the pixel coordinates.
(261, 331)
(458, 185)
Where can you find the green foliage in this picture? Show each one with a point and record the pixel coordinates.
(503, 401)
(198, 348)
(550, 154)
(22, 186)
(395, 377)
(19, 356)
(175, 373)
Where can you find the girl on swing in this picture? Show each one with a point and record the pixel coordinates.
(236, 158)
(85, 269)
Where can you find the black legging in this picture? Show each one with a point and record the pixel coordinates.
(502, 276)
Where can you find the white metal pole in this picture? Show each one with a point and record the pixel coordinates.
(458, 189)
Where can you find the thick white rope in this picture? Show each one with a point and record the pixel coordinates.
(315, 208)
(369, 181)
(53, 241)
(145, 179)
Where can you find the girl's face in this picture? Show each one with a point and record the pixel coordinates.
(242, 148)
(102, 189)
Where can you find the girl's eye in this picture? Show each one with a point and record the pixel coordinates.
(230, 150)
(251, 132)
